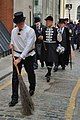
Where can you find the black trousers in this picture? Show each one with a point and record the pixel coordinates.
(62, 59)
(28, 65)
(49, 64)
(38, 55)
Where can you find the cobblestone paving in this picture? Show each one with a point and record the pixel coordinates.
(50, 99)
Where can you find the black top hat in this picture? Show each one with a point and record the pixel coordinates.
(18, 17)
(66, 19)
(49, 18)
(37, 19)
(61, 20)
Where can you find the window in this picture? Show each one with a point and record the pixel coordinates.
(78, 12)
(36, 2)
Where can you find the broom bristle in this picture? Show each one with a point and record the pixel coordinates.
(27, 103)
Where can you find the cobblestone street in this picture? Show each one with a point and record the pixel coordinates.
(57, 100)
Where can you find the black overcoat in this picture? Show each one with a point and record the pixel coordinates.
(63, 59)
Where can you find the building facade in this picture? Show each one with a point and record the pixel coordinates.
(74, 11)
(30, 8)
(6, 13)
(9, 7)
(44, 8)
(27, 7)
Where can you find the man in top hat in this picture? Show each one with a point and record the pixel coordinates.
(66, 22)
(38, 26)
(64, 45)
(50, 44)
(23, 43)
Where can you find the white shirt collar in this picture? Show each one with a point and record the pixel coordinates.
(62, 29)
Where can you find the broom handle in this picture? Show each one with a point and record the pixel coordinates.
(14, 59)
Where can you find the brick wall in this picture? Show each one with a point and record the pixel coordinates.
(6, 13)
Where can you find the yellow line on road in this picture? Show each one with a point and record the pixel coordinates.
(5, 85)
(9, 82)
(71, 106)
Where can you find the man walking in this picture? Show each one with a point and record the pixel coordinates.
(64, 45)
(23, 43)
(38, 27)
(50, 44)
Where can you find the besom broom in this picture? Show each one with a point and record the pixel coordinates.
(26, 101)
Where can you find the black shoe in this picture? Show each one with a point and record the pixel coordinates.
(48, 75)
(77, 48)
(55, 69)
(63, 68)
(31, 92)
(48, 78)
(13, 103)
(42, 64)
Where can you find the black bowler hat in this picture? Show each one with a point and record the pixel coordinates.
(61, 20)
(49, 18)
(37, 19)
(18, 17)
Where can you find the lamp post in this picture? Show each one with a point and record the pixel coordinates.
(69, 7)
(30, 8)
